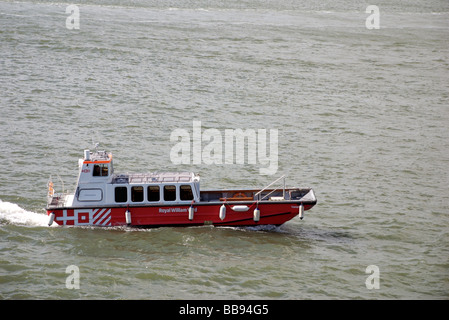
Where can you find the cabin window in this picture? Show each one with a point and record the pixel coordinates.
(101, 170)
(121, 194)
(169, 193)
(186, 192)
(137, 194)
(153, 193)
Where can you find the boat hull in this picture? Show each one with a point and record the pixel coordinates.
(236, 214)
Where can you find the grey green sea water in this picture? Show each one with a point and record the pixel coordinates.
(362, 116)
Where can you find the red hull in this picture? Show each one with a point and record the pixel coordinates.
(271, 213)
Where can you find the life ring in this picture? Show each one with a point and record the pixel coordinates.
(239, 195)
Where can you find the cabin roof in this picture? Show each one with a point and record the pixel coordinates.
(155, 177)
(98, 157)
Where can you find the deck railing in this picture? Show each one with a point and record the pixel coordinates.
(260, 192)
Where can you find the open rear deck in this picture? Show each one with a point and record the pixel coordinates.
(255, 195)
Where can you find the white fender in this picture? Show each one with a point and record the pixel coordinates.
(128, 217)
(301, 211)
(222, 214)
(52, 218)
(240, 208)
(191, 213)
(256, 215)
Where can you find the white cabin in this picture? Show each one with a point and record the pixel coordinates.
(98, 185)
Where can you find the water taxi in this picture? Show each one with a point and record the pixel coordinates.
(104, 198)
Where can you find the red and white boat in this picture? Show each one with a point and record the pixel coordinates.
(103, 198)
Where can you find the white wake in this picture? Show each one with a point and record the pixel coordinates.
(13, 214)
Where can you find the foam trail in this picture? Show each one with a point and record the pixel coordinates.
(14, 214)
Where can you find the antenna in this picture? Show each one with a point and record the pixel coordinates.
(96, 145)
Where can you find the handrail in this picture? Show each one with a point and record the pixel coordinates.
(57, 200)
(255, 195)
